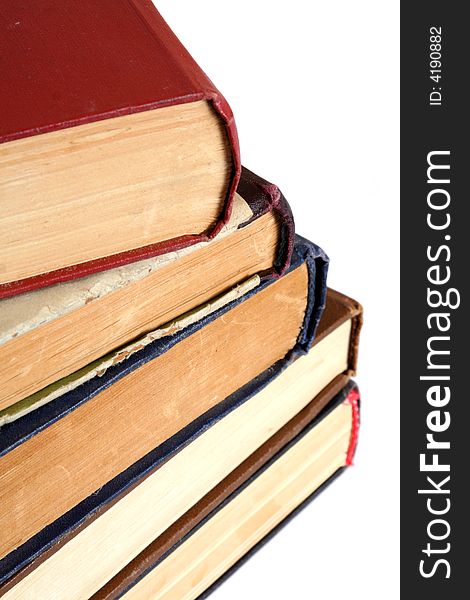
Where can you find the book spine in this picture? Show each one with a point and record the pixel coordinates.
(199, 81)
(353, 399)
(318, 263)
(264, 197)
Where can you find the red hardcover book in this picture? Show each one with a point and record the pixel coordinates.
(114, 145)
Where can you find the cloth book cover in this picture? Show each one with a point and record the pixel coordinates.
(31, 426)
(339, 391)
(67, 64)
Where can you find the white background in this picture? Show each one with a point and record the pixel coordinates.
(314, 89)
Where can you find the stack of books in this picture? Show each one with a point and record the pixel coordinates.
(175, 372)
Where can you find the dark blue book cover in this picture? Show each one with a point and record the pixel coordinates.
(17, 434)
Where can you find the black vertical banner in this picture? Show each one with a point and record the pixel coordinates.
(435, 269)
